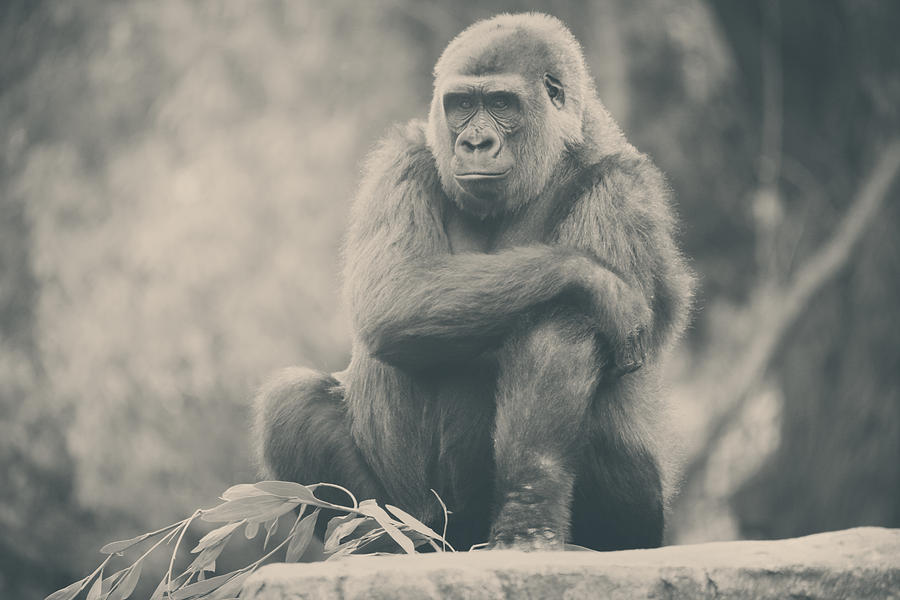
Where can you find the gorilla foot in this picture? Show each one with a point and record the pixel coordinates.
(530, 540)
(530, 521)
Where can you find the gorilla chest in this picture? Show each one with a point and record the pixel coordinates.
(533, 224)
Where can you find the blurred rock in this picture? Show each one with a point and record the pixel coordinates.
(854, 563)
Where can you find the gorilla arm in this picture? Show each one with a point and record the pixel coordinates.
(413, 302)
(623, 218)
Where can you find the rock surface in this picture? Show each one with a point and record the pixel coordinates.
(855, 563)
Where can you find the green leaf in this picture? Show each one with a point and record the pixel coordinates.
(275, 513)
(232, 588)
(412, 522)
(370, 508)
(118, 547)
(287, 489)
(368, 534)
(343, 529)
(335, 522)
(68, 592)
(201, 587)
(96, 588)
(127, 584)
(242, 490)
(161, 588)
(206, 558)
(301, 535)
(346, 549)
(111, 581)
(377, 540)
(216, 535)
(251, 530)
(364, 532)
(418, 538)
(254, 508)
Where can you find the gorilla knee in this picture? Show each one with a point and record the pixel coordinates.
(548, 375)
(560, 348)
(290, 409)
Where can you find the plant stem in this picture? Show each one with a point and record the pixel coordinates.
(338, 487)
(446, 519)
(187, 523)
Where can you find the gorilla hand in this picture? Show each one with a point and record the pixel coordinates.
(621, 312)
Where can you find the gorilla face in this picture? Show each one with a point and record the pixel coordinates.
(495, 137)
(482, 116)
(507, 103)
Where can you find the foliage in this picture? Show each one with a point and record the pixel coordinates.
(362, 528)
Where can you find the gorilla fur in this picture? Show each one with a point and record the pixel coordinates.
(514, 285)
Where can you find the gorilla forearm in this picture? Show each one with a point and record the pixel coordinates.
(459, 304)
(624, 219)
(415, 302)
(419, 304)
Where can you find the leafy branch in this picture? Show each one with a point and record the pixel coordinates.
(362, 528)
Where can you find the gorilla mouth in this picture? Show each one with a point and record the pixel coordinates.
(477, 175)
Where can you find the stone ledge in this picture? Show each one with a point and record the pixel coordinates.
(854, 563)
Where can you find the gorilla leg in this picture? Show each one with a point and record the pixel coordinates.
(618, 491)
(303, 434)
(548, 374)
(618, 495)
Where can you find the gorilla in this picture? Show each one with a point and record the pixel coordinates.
(514, 285)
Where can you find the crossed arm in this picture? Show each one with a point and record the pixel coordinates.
(449, 306)
(415, 304)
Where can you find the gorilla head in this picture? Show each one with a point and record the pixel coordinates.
(509, 97)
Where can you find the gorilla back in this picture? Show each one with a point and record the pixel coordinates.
(513, 283)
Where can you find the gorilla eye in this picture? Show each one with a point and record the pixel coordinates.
(465, 103)
(499, 103)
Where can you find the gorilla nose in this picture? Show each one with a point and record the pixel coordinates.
(478, 142)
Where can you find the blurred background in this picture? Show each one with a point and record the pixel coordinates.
(175, 181)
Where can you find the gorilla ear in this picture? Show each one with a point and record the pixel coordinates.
(555, 90)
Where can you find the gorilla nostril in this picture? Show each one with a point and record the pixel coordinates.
(478, 145)
(478, 141)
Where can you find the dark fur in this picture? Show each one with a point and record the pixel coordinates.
(491, 339)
